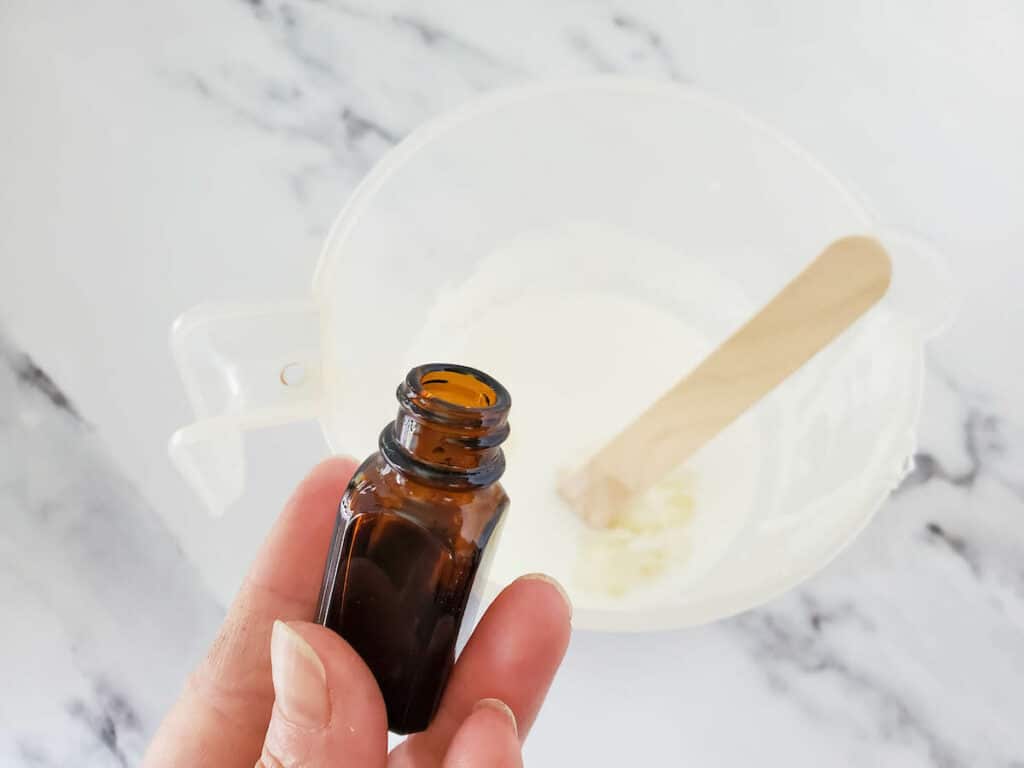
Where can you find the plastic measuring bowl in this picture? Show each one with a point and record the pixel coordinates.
(729, 203)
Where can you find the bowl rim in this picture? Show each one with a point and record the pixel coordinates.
(421, 136)
(644, 618)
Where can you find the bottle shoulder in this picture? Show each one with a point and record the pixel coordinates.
(460, 517)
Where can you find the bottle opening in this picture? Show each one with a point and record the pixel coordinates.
(462, 389)
(451, 422)
(449, 391)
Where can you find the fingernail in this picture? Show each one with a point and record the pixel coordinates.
(547, 579)
(300, 682)
(500, 706)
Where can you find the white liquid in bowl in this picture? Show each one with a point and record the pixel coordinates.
(580, 365)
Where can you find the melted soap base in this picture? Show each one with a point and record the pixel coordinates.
(583, 352)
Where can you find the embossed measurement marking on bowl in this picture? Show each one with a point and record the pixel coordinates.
(620, 352)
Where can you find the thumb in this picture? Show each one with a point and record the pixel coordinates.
(328, 709)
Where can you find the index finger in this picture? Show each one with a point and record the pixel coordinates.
(512, 656)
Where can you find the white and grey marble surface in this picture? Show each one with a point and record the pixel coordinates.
(156, 154)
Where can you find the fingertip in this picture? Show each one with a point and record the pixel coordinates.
(499, 706)
(552, 582)
(356, 703)
(542, 598)
(508, 656)
(301, 535)
(311, 661)
(487, 736)
(313, 505)
(348, 677)
(300, 679)
(326, 480)
(339, 463)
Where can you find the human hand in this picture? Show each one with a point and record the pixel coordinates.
(281, 692)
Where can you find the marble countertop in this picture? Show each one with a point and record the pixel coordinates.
(154, 155)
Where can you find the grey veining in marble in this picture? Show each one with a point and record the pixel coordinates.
(102, 614)
(159, 154)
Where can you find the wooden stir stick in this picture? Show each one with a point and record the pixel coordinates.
(835, 289)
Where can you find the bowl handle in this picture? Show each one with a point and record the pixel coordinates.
(243, 367)
(923, 288)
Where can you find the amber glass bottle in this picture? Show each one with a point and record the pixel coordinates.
(412, 528)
